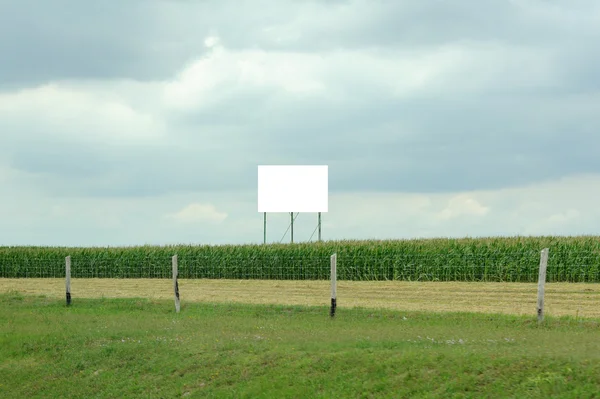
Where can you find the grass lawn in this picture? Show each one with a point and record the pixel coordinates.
(122, 348)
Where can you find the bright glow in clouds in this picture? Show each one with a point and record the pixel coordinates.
(293, 188)
(198, 213)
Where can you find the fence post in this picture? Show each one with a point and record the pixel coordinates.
(541, 284)
(68, 278)
(333, 284)
(175, 283)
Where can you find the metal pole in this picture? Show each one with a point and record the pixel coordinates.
(292, 219)
(265, 229)
(319, 226)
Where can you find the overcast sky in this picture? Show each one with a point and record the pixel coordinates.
(143, 122)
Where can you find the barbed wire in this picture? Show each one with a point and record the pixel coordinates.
(500, 267)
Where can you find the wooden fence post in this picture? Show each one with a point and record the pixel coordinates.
(175, 283)
(68, 278)
(541, 284)
(333, 284)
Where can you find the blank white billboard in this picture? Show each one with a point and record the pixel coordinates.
(293, 188)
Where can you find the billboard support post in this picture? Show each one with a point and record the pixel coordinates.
(319, 226)
(265, 228)
(292, 224)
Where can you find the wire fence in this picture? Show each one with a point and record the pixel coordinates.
(494, 267)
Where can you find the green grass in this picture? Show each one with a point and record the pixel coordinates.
(501, 259)
(100, 348)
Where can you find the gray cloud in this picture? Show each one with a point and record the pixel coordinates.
(394, 145)
(66, 39)
(396, 97)
(151, 39)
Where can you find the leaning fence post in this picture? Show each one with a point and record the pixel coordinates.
(68, 278)
(175, 283)
(541, 283)
(333, 284)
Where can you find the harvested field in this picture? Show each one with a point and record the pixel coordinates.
(562, 299)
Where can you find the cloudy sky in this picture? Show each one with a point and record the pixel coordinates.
(143, 121)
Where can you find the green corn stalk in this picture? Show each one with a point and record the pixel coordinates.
(510, 259)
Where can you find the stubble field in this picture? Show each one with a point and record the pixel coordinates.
(561, 299)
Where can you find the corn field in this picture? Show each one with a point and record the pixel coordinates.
(511, 259)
